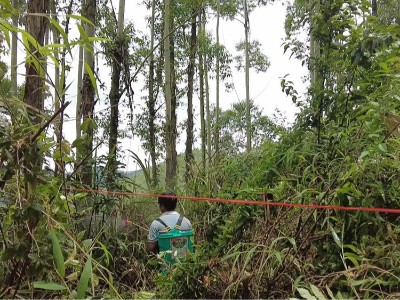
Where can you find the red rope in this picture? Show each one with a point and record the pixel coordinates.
(298, 205)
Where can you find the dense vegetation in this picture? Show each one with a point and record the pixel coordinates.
(344, 149)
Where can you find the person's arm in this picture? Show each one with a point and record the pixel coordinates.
(152, 247)
(152, 239)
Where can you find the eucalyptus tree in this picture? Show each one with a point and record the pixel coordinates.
(84, 153)
(152, 97)
(149, 124)
(253, 58)
(36, 24)
(57, 91)
(117, 52)
(251, 50)
(204, 108)
(214, 62)
(78, 108)
(14, 49)
(217, 81)
(189, 158)
(170, 97)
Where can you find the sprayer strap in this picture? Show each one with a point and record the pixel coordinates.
(178, 224)
(167, 228)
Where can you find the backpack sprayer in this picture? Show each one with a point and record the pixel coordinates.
(174, 243)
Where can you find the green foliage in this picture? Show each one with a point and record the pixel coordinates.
(342, 150)
(257, 60)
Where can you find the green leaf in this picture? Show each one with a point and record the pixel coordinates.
(78, 17)
(363, 154)
(6, 5)
(317, 292)
(383, 148)
(145, 295)
(353, 258)
(83, 34)
(84, 280)
(92, 78)
(336, 238)
(50, 286)
(330, 292)
(305, 294)
(62, 32)
(6, 31)
(57, 254)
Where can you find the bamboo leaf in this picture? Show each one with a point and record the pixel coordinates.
(82, 33)
(6, 30)
(330, 292)
(6, 5)
(62, 32)
(84, 280)
(78, 17)
(305, 294)
(50, 286)
(143, 167)
(336, 238)
(317, 292)
(92, 78)
(57, 254)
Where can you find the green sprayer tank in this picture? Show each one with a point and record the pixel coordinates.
(175, 244)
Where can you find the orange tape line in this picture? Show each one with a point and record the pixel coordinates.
(253, 202)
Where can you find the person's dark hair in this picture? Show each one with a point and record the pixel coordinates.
(169, 203)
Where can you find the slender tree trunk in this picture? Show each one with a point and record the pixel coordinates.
(170, 100)
(316, 77)
(189, 158)
(36, 25)
(207, 94)
(247, 79)
(118, 55)
(151, 100)
(78, 120)
(201, 99)
(208, 113)
(14, 54)
(88, 99)
(57, 91)
(217, 71)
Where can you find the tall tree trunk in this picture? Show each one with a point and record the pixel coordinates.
(208, 113)
(14, 53)
(115, 96)
(247, 79)
(88, 99)
(189, 158)
(170, 147)
(201, 99)
(36, 26)
(78, 119)
(151, 100)
(316, 77)
(207, 93)
(57, 91)
(217, 71)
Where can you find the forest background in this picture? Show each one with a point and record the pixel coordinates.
(342, 149)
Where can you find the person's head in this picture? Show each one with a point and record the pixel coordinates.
(167, 203)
